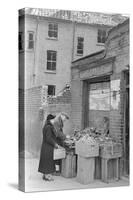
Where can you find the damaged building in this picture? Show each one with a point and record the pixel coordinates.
(100, 88)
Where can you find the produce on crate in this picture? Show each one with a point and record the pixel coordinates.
(91, 136)
(87, 147)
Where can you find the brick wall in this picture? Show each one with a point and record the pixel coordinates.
(64, 98)
(118, 45)
(76, 90)
(31, 119)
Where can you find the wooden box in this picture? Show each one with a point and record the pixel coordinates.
(68, 166)
(59, 153)
(113, 150)
(85, 149)
(85, 170)
(110, 169)
(97, 168)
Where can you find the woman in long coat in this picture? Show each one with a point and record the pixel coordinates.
(47, 164)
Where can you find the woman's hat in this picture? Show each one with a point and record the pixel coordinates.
(64, 114)
(50, 116)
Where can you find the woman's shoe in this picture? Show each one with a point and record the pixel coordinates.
(48, 177)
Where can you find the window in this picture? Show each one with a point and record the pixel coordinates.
(30, 40)
(53, 30)
(51, 60)
(51, 90)
(20, 41)
(80, 45)
(101, 38)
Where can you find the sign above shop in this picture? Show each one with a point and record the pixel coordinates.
(97, 71)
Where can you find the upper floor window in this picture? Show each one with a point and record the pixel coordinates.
(51, 60)
(30, 40)
(80, 45)
(21, 42)
(101, 38)
(53, 30)
(51, 90)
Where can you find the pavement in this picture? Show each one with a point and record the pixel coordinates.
(34, 181)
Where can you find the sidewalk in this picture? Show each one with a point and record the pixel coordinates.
(34, 180)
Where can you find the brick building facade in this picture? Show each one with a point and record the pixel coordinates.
(49, 40)
(47, 46)
(100, 88)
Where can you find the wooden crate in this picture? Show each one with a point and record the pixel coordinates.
(68, 166)
(110, 170)
(97, 174)
(85, 170)
(110, 151)
(59, 153)
(86, 149)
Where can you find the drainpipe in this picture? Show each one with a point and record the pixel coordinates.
(73, 39)
(35, 51)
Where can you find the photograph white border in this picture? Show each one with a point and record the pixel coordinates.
(9, 98)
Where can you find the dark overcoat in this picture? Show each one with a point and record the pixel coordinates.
(47, 164)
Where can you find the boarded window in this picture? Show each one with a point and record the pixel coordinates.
(51, 60)
(80, 45)
(30, 40)
(101, 38)
(53, 30)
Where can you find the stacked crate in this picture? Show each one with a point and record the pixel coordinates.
(110, 161)
(86, 161)
(68, 165)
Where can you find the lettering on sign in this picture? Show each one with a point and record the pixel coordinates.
(96, 71)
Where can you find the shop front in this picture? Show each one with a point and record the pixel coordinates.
(100, 91)
(103, 103)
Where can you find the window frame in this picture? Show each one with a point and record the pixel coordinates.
(31, 40)
(101, 36)
(53, 31)
(52, 60)
(80, 45)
